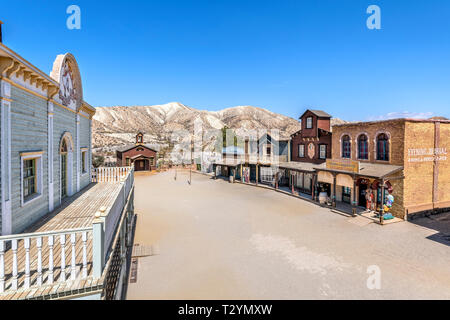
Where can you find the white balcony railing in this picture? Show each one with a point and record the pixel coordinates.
(38, 253)
(113, 174)
(33, 260)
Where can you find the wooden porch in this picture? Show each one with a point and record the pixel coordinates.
(55, 257)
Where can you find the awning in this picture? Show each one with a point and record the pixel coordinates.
(227, 162)
(370, 170)
(298, 166)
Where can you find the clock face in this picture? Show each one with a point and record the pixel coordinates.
(67, 92)
(311, 150)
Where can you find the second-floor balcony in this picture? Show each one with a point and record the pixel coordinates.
(70, 252)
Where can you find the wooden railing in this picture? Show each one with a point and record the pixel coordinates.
(37, 259)
(41, 255)
(113, 174)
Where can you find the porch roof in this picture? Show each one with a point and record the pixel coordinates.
(371, 170)
(298, 166)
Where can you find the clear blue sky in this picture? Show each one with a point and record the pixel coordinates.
(281, 55)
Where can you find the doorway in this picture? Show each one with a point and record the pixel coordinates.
(362, 195)
(63, 175)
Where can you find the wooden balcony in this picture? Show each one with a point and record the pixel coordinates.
(67, 253)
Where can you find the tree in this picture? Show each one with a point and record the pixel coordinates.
(97, 160)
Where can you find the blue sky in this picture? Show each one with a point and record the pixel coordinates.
(282, 55)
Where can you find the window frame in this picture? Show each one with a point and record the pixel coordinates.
(84, 161)
(303, 149)
(343, 147)
(320, 151)
(38, 176)
(387, 147)
(308, 124)
(358, 144)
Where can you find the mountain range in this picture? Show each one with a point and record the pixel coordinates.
(117, 126)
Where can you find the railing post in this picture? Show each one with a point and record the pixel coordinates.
(50, 259)
(98, 254)
(14, 264)
(84, 239)
(26, 244)
(2, 266)
(73, 271)
(39, 261)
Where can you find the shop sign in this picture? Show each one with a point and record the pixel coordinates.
(343, 165)
(427, 154)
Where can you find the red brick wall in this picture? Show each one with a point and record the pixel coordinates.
(299, 140)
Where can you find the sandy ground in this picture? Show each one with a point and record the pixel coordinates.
(216, 240)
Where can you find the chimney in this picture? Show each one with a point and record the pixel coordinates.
(1, 41)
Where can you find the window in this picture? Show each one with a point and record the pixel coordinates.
(383, 147)
(84, 161)
(301, 150)
(323, 151)
(363, 147)
(268, 149)
(309, 123)
(152, 161)
(346, 147)
(140, 149)
(31, 176)
(127, 161)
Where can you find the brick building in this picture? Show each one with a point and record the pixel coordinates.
(313, 142)
(139, 155)
(405, 158)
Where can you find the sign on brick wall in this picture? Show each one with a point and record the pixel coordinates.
(427, 154)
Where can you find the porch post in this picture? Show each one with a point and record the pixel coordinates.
(276, 180)
(242, 177)
(98, 246)
(382, 201)
(313, 187)
(234, 171)
(292, 181)
(354, 197)
(334, 191)
(256, 174)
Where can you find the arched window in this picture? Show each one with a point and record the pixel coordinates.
(363, 147)
(346, 147)
(383, 147)
(63, 146)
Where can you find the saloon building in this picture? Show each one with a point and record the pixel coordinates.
(139, 155)
(404, 158)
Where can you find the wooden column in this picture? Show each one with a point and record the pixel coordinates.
(382, 201)
(354, 197)
(276, 180)
(234, 170)
(292, 182)
(334, 191)
(242, 173)
(313, 187)
(256, 174)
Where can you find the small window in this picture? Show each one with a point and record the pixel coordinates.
(383, 147)
(301, 150)
(31, 176)
(323, 151)
(140, 149)
(363, 147)
(83, 162)
(29, 179)
(346, 147)
(269, 150)
(152, 162)
(127, 161)
(309, 123)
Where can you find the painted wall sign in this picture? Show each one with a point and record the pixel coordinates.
(427, 154)
(311, 150)
(343, 165)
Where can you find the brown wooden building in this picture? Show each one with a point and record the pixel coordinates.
(139, 155)
(312, 143)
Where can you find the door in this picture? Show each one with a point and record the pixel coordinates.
(63, 175)
(362, 195)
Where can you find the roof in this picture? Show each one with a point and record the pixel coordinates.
(132, 146)
(349, 124)
(233, 150)
(318, 113)
(228, 162)
(372, 170)
(300, 166)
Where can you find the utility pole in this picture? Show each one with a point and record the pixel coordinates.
(190, 167)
